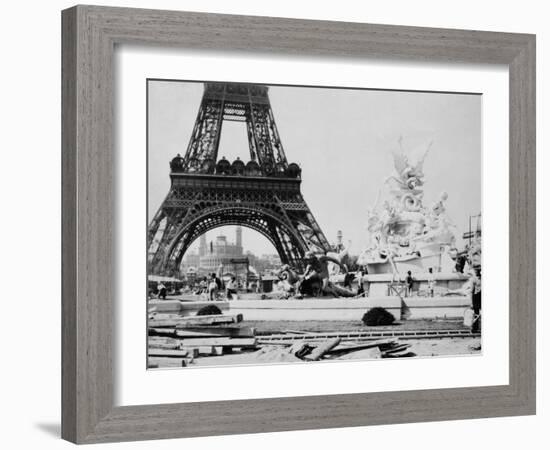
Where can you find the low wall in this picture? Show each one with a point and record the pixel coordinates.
(186, 308)
(313, 309)
(450, 307)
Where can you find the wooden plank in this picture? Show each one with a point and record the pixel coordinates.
(219, 341)
(346, 348)
(168, 332)
(156, 352)
(318, 352)
(163, 323)
(193, 321)
(164, 346)
(186, 322)
(397, 349)
(202, 332)
(216, 332)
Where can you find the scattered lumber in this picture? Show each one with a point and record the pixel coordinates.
(301, 349)
(318, 352)
(344, 348)
(334, 348)
(396, 349)
(388, 348)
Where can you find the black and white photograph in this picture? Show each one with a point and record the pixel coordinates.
(267, 225)
(293, 224)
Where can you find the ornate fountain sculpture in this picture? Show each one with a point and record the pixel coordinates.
(404, 234)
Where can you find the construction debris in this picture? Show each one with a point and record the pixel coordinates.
(197, 340)
(346, 347)
(185, 338)
(318, 352)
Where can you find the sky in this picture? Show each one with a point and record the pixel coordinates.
(343, 140)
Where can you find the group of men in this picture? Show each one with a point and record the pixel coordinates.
(213, 285)
(409, 281)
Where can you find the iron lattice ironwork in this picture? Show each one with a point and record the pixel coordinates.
(263, 194)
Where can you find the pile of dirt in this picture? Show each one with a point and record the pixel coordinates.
(209, 310)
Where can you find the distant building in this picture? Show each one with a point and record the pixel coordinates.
(211, 255)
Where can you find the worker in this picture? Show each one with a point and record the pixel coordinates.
(360, 287)
(410, 283)
(431, 282)
(316, 273)
(162, 290)
(475, 282)
(231, 288)
(212, 288)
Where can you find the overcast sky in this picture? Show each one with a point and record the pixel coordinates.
(343, 140)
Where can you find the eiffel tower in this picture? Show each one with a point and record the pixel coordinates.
(206, 192)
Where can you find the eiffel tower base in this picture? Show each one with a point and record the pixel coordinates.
(197, 203)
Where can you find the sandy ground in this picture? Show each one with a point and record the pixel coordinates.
(422, 348)
(277, 354)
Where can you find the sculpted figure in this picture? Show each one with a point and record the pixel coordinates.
(402, 228)
(409, 179)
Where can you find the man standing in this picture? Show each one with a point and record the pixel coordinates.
(360, 287)
(475, 281)
(203, 286)
(410, 282)
(212, 288)
(231, 288)
(162, 290)
(431, 282)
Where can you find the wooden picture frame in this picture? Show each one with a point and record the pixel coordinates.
(89, 37)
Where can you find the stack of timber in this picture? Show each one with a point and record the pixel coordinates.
(183, 339)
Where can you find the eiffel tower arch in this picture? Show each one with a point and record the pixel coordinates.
(263, 194)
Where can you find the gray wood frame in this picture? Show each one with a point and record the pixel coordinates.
(89, 36)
